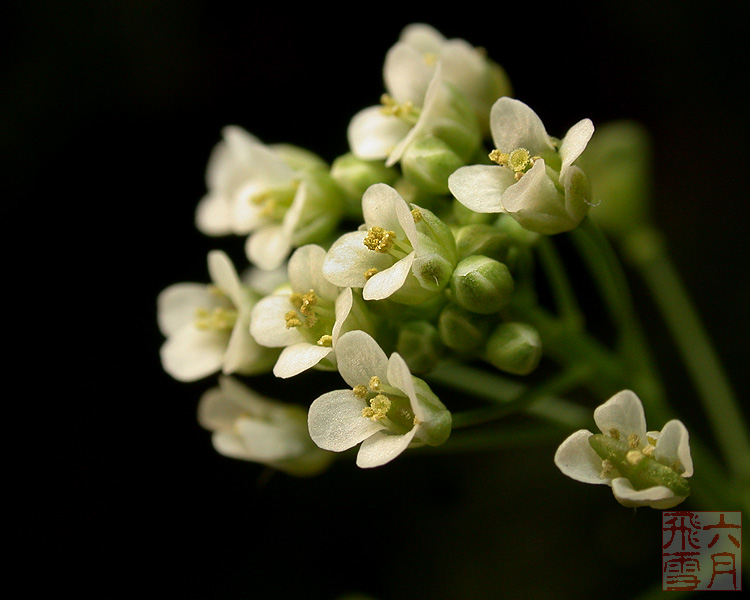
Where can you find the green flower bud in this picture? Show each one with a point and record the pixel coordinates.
(433, 230)
(420, 346)
(322, 209)
(514, 348)
(483, 239)
(482, 285)
(428, 162)
(355, 175)
(436, 426)
(461, 330)
(617, 161)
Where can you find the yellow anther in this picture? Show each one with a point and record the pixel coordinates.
(215, 290)
(370, 272)
(634, 456)
(607, 469)
(374, 383)
(307, 301)
(633, 441)
(416, 215)
(651, 440)
(295, 299)
(614, 434)
(292, 319)
(218, 319)
(518, 160)
(649, 450)
(360, 391)
(379, 240)
(325, 340)
(378, 409)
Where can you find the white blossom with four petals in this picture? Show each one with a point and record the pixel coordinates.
(387, 409)
(535, 181)
(622, 418)
(257, 190)
(305, 317)
(207, 325)
(249, 426)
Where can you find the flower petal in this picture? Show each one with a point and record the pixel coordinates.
(268, 323)
(382, 447)
(574, 142)
(191, 354)
(480, 187)
(380, 206)
(268, 247)
(213, 215)
(406, 74)
(373, 135)
(224, 276)
(576, 458)
(360, 357)
(385, 283)
(267, 442)
(399, 377)
(673, 446)
(535, 193)
(176, 305)
(659, 496)
(515, 125)
(297, 358)
(622, 412)
(306, 272)
(348, 259)
(336, 423)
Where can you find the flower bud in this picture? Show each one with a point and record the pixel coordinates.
(617, 161)
(514, 348)
(483, 239)
(321, 211)
(299, 159)
(482, 285)
(355, 175)
(435, 427)
(419, 345)
(461, 330)
(428, 162)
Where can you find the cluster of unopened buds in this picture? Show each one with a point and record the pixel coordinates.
(407, 250)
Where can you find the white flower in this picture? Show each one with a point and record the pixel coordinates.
(535, 180)
(642, 468)
(249, 426)
(261, 191)
(387, 409)
(305, 317)
(207, 326)
(388, 252)
(411, 63)
(384, 132)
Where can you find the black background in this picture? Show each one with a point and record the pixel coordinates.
(109, 112)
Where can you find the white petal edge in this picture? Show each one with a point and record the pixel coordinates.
(673, 445)
(575, 142)
(515, 125)
(623, 412)
(382, 447)
(359, 358)
(480, 187)
(336, 423)
(659, 496)
(297, 358)
(386, 283)
(576, 458)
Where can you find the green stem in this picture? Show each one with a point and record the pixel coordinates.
(615, 291)
(508, 396)
(562, 288)
(680, 315)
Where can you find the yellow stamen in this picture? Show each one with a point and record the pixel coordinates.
(360, 391)
(634, 457)
(375, 383)
(378, 409)
(614, 434)
(379, 240)
(325, 340)
(370, 272)
(218, 319)
(307, 301)
(292, 319)
(633, 441)
(417, 215)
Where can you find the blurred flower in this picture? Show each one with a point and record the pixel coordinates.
(387, 409)
(207, 326)
(642, 468)
(249, 426)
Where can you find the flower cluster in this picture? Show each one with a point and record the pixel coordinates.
(407, 250)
